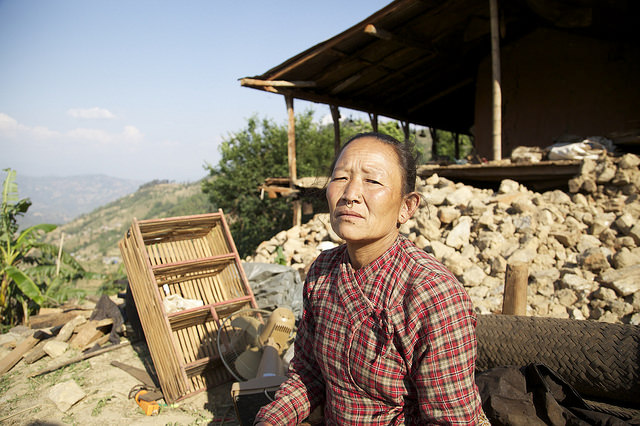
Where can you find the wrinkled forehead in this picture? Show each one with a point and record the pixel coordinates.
(378, 152)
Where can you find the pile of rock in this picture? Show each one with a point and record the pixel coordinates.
(582, 247)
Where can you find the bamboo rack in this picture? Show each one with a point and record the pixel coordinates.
(194, 257)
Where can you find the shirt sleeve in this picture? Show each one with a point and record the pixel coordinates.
(443, 351)
(304, 388)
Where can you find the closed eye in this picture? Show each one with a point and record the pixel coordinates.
(338, 178)
(373, 181)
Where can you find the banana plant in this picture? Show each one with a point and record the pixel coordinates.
(16, 285)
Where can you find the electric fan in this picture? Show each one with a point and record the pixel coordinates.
(251, 344)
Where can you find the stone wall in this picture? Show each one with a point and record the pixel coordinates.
(582, 246)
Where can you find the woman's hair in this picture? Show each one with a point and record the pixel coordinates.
(404, 151)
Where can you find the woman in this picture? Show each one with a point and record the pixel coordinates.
(387, 334)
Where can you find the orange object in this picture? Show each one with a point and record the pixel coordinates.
(150, 408)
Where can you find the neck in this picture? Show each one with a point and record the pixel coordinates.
(363, 253)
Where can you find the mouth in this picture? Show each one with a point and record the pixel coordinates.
(348, 214)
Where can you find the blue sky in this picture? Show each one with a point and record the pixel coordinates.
(142, 89)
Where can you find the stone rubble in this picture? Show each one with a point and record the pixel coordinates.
(582, 247)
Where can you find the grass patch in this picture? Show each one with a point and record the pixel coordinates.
(5, 382)
(102, 402)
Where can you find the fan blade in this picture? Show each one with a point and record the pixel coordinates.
(247, 363)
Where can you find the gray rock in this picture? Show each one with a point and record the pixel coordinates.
(508, 185)
(625, 258)
(435, 197)
(625, 281)
(440, 250)
(55, 348)
(460, 197)
(459, 235)
(448, 214)
(576, 283)
(629, 161)
(606, 173)
(625, 222)
(594, 259)
(586, 242)
(634, 233)
(65, 395)
(473, 276)
(604, 293)
(557, 197)
(543, 281)
(567, 297)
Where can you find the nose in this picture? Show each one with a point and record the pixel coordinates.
(352, 191)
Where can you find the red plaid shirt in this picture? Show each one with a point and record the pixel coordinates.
(391, 343)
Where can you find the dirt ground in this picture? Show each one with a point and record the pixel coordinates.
(25, 401)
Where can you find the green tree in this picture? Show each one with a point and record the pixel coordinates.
(31, 272)
(446, 145)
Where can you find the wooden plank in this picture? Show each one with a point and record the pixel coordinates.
(90, 332)
(19, 351)
(56, 319)
(81, 358)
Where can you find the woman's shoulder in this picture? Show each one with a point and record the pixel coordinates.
(419, 261)
(426, 276)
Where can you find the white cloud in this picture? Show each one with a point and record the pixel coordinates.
(94, 112)
(10, 128)
(8, 124)
(131, 133)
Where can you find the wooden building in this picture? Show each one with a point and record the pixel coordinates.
(509, 72)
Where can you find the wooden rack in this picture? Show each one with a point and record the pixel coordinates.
(194, 257)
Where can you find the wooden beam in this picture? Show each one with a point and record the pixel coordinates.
(291, 151)
(335, 114)
(382, 34)
(405, 130)
(346, 103)
(346, 83)
(254, 82)
(374, 121)
(81, 357)
(496, 81)
(291, 141)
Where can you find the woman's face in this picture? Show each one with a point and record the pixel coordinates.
(365, 192)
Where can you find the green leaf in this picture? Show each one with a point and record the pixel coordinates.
(29, 232)
(25, 284)
(9, 188)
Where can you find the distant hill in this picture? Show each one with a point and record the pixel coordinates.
(58, 200)
(92, 238)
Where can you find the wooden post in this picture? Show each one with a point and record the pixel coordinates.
(405, 130)
(514, 300)
(496, 81)
(374, 121)
(291, 153)
(59, 254)
(434, 143)
(335, 114)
